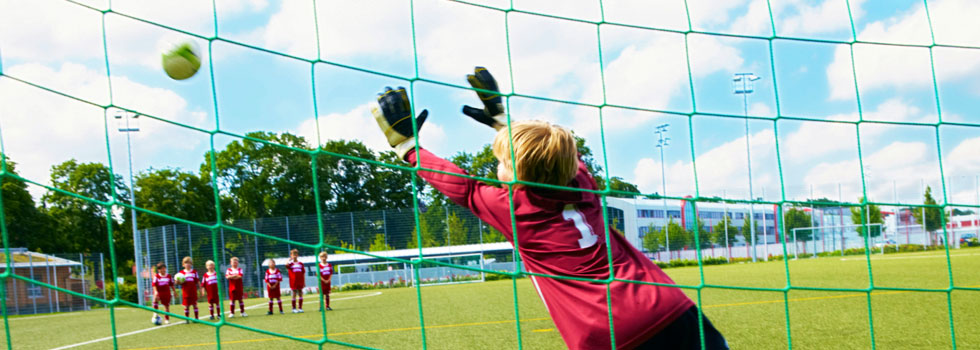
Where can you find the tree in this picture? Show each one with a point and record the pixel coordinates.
(676, 234)
(701, 232)
(798, 218)
(456, 231)
(873, 217)
(747, 229)
(176, 193)
(718, 233)
(932, 221)
(379, 244)
(81, 225)
(429, 238)
(653, 241)
(26, 225)
(263, 178)
(493, 236)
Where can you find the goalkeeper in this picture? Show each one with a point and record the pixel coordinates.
(560, 232)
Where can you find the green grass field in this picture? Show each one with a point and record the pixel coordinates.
(481, 315)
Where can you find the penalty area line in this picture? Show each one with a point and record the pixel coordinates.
(93, 341)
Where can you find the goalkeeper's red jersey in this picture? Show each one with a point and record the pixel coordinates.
(561, 233)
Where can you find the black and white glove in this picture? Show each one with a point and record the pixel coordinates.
(492, 113)
(392, 114)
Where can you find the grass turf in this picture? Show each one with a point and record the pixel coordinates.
(480, 315)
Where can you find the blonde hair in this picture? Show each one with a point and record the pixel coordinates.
(544, 152)
(322, 254)
(234, 258)
(209, 263)
(187, 259)
(294, 251)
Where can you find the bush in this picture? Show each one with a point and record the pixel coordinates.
(127, 292)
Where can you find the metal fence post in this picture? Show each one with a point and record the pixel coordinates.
(289, 247)
(176, 254)
(30, 264)
(223, 245)
(138, 261)
(57, 301)
(258, 266)
(102, 270)
(166, 255)
(384, 224)
(190, 248)
(81, 260)
(47, 279)
(149, 267)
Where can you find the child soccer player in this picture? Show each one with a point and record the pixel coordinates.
(189, 288)
(163, 284)
(272, 279)
(236, 288)
(210, 286)
(326, 272)
(297, 278)
(560, 232)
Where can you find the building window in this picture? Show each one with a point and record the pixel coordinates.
(674, 214)
(33, 291)
(740, 216)
(769, 216)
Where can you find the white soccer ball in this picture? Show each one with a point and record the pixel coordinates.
(156, 319)
(179, 278)
(182, 60)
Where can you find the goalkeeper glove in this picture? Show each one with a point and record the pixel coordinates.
(492, 113)
(392, 114)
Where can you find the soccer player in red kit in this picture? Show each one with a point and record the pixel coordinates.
(326, 273)
(272, 279)
(189, 287)
(558, 232)
(163, 284)
(236, 288)
(210, 285)
(297, 278)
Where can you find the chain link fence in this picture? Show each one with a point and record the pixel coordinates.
(80, 273)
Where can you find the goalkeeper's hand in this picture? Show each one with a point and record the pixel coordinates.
(392, 114)
(492, 113)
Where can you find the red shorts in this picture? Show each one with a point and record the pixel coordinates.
(235, 294)
(274, 293)
(297, 284)
(325, 287)
(189, 299)
(164, 298)
(213, 298)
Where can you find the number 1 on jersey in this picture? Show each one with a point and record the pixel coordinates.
(588, 237)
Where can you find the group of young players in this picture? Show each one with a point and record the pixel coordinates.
(194, 284)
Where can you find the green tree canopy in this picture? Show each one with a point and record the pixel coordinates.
(26, 225)
(718, 233)
(932, 217)
(873, 213)
(653, 241)
(797, 218)
(176, 193)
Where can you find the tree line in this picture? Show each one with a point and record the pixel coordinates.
(252, 178)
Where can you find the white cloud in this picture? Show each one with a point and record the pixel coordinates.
(881, 66)
(807, 19)
(41, 129)
(358, 124)
(722, 168)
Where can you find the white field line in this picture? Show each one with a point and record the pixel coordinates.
(200, 318)
(910, 257)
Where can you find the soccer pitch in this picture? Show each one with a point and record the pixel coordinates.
(481, 315)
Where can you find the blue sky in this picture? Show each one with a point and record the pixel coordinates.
(59, 45)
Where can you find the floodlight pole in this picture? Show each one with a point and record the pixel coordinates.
(127, 129)
(743, 84)
(662, 143)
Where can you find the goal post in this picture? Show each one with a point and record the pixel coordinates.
(829, 238)
(450, 269)
(382, 273)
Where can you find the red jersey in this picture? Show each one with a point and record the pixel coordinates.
(162, 284)
(234, 285)
(297, 272)
(210, 282)
(325, 270)
(562, 233)
(273, 276)
(189, 287)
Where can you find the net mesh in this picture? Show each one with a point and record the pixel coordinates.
(114, 300)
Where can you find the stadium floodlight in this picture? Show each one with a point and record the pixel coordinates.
(743, 84)
(129, 123)
(662, 143)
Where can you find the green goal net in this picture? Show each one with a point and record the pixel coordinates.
(467, 268)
